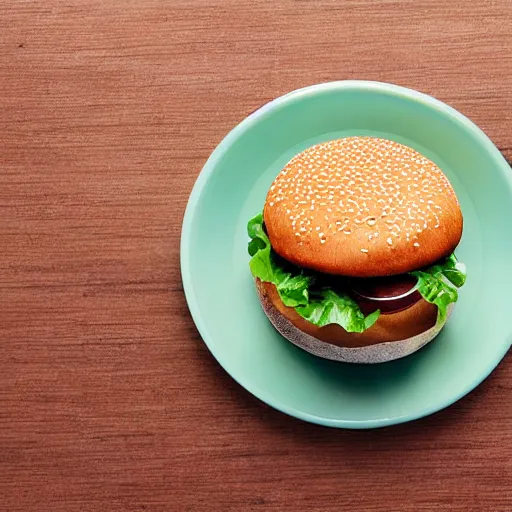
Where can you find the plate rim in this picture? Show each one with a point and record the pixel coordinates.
(296, 95)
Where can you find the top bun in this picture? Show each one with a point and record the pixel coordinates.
(362, 207)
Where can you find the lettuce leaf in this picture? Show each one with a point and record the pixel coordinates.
(328, 306)
(324, 305)
(293, 289)
(438, 284)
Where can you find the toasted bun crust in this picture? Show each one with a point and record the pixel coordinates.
(393, 336)
(362, 207)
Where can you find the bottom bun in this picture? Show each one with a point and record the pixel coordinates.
(393, 336)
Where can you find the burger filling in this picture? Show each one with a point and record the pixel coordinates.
(354, 304)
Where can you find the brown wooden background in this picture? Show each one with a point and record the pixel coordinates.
(109, 401)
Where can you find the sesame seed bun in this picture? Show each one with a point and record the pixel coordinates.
(362, 207)
(393, 336)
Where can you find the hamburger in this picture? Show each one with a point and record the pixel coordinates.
(353, 254)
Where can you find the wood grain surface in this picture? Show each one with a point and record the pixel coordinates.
(109, 400)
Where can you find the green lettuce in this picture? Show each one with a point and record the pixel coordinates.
(438, 284)
(324, 305)
(330, 307)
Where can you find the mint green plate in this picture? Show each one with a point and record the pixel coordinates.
(221, 294)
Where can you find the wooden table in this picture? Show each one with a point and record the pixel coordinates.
(109, 400)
